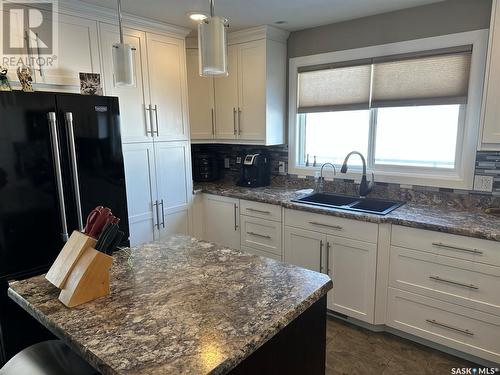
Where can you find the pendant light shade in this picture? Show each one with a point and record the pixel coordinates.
(212, 45)
(123, 64)
(123, 58)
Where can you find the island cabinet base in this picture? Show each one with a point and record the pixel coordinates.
(299, 348)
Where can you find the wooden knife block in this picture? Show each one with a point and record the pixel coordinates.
(80, 271)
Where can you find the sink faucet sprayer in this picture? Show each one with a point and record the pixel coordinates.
(365, 187)
(321, 179)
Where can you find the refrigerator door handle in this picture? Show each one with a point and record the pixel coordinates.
(51, 117)
(68, 116)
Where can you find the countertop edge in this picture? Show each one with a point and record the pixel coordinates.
(90, 357)
(370, 218)
(274, 329)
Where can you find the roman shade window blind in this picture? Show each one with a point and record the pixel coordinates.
(427, 78)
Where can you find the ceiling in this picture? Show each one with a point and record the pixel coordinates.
(298, 14)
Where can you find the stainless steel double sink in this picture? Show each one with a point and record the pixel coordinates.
(350, 203)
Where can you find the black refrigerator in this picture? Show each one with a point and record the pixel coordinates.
(60, 156)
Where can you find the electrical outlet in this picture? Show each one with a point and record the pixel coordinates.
(238, 160)
(226, 163)
(281, 167)
(483, 183)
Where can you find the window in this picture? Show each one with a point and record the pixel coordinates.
(412, 114)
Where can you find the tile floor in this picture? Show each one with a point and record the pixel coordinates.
(351, 350)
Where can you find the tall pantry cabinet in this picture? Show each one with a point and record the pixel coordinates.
(155, 132)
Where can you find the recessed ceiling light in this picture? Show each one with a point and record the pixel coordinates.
(280, 22)
(198, 17)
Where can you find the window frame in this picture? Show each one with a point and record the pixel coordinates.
(461, 177)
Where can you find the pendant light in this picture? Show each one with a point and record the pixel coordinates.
(212, 45)
(123, 58)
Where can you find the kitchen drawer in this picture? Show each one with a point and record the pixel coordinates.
(460, 247)
(460, 328)
(470, 284)
(262, 210)
(260, 234)
(336, 226)
(260, 253)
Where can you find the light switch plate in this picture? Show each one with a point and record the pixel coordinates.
(238, 160)
(483, 183)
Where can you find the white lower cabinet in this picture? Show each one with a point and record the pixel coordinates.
(158, 179)
(304, 248)
(448, 324)
(444, 288)
(349, 262)
(140, 179)
(222, 221)
(352, 266)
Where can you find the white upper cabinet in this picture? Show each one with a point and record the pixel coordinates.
(249, 103)
(201, 99)
(78, 52)
(226, 100)
(168, 87)
(491, 109)
(135, 121)
(252, 90)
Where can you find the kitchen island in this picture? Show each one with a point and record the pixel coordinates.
(185, 306)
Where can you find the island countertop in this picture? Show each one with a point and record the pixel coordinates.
(182, 306)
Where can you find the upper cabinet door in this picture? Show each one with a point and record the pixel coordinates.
(16, 39)
(78, 52)
(168, 87)
(491, 119)
(252, 90)
(201, 99)
(135, 119)
(226, 104)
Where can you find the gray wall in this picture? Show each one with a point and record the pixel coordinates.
(447, 17)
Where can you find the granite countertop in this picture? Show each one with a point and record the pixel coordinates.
(467, 222)
(183, 306)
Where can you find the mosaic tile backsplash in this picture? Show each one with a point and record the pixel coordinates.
(488, 164)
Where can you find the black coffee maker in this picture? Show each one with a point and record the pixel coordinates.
(255, 170)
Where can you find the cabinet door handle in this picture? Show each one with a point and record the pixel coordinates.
(150, 115)
(68, 116)
(235, 217)
(328, 270)
(162, 214)
(470, 286)
(239, 121)
(213, 121)
(447, 326)
(453, 247)
(259, 211)
(157, 224)
(234, 121)
(259, 235)
(336, 227)
(56, 154)
(321, 256)
(156, 121)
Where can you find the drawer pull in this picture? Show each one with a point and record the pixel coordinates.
(470, 286)
(445, 246)
(259, 235)
(336, 227)
(258, 211)
(443, 325)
